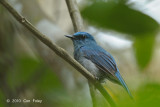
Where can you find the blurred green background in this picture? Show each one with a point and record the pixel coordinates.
(128, 29)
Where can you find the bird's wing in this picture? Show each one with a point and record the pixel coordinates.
(105, 62)
(101, 59)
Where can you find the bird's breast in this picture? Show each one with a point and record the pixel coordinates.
(90, 66)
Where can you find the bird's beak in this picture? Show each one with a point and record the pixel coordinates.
(69, 36)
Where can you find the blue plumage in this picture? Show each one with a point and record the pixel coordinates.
(95, 59)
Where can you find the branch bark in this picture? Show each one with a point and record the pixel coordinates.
(58, 50)
(75, 15)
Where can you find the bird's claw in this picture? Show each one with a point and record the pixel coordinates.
(97, 78)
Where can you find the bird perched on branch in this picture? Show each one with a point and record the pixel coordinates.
(95, 59)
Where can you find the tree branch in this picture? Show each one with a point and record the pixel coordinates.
(75, 15)
(93, 94)
(58, 50)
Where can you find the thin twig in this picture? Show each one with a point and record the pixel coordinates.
(75, 15)
(58, 50)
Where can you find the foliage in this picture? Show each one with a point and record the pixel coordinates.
(146, 96)
(143, 47)
(34, 76)
(122, 18)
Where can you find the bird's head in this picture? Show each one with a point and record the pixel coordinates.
(81, 38)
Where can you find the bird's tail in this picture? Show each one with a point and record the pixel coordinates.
(117, 74)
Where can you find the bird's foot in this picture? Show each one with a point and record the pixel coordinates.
(97, 78)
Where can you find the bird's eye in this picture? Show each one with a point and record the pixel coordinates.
(83, 36)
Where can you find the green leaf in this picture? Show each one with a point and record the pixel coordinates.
(119, 17)
(22, 71)
(147, 95)
(49, 82)
(143, 47)
(2, 99)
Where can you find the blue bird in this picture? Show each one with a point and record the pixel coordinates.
(95, 59)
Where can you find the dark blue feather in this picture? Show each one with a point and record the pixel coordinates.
(100, 58)
(117, 74)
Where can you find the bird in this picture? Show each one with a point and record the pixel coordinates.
(95, 59)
